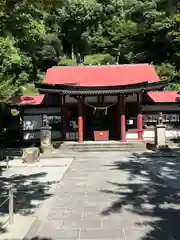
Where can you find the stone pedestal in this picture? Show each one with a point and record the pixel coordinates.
(45, 138)
(160, 136)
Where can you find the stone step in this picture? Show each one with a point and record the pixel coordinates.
(98, 145)
(73, 148)
(84, 145)
(101, 149)
(73, 152)
(107, 143)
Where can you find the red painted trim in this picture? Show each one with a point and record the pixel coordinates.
(123, 127)
(140, 126)
(140, 118)
(122, 119)
(132, 130)
(132, 139)
(80, 122)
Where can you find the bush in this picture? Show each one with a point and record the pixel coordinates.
(99, 59)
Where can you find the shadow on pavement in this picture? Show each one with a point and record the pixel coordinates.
(29, 191)
(151, 199)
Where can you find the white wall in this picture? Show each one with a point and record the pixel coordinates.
(131, 135)
(33, 123)
(149, 134)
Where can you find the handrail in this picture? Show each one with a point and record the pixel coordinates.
(2, 204)
(10, 207)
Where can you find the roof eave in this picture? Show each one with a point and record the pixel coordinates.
(65, 89)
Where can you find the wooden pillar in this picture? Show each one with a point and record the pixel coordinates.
(63, 118)
(121, 100)
(80, 121)
(84, 109)
(139, 117)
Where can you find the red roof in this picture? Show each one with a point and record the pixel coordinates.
(107, 75)
(164, 96)
(26, 100)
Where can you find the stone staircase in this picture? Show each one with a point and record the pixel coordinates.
(69, 149)
(102, 146)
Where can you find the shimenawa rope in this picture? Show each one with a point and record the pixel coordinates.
(100, 108)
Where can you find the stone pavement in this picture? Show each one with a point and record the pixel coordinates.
(109, 196)
(34, 186)
(163, 165)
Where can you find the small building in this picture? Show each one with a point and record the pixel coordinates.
(111, 102)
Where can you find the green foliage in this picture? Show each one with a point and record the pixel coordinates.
(99, 59)
(64, 61)
(167, 71)
(28, 89)
(10, 61)
(36, 35)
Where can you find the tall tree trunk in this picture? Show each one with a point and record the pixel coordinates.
(72, 52)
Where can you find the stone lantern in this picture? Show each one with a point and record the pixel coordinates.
(45, 135)
(160, 132)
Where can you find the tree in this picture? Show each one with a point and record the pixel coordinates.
(76, 20)
(40, 34)
(10, 61)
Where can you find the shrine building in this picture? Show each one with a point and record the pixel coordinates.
(110, 102)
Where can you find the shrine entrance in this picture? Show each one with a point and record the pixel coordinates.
(101, 120)
(121, 82)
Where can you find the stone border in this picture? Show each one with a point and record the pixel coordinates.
(42, 212)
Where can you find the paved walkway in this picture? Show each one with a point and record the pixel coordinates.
(164, 165)
(110, 196)
(34, 186)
